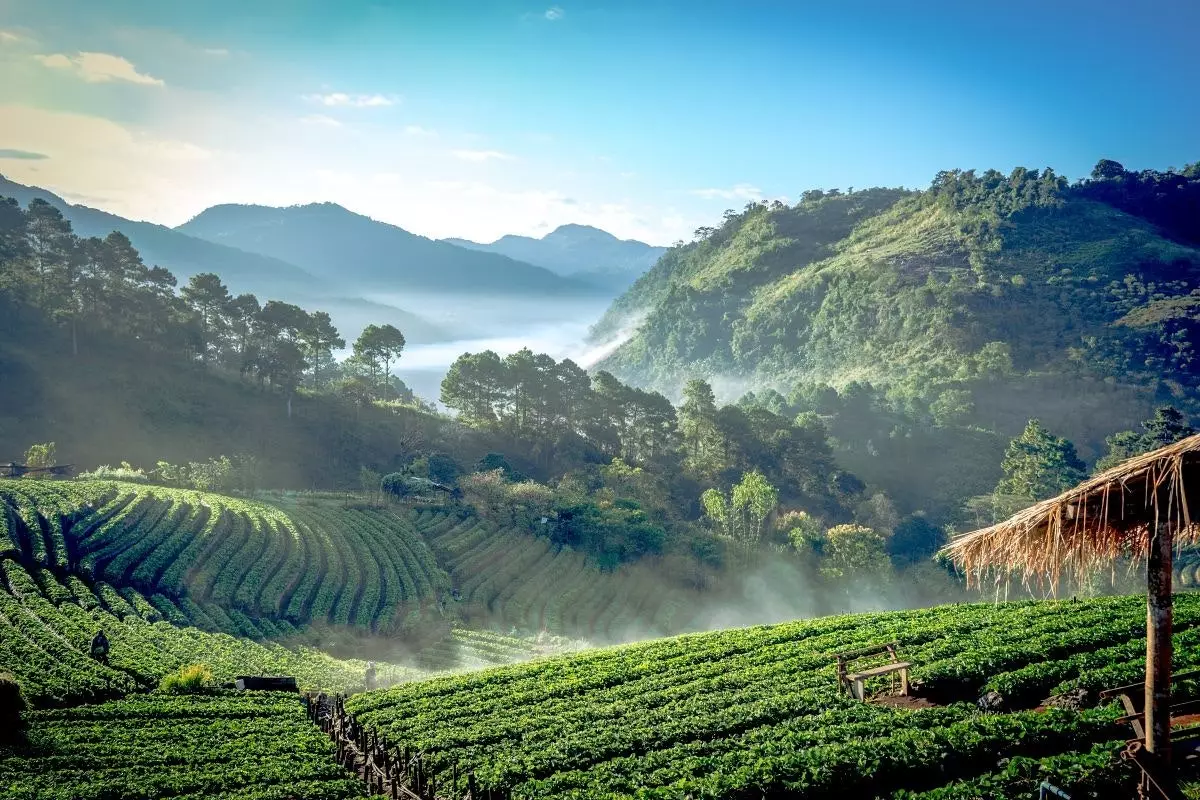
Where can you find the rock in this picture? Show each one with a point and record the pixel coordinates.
(992, 701)
(1073, 700)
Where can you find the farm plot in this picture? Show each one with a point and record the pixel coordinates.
(223, 745)
(756, 711)
(46, 628)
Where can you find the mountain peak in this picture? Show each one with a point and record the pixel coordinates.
(575, 231)
(575, 249)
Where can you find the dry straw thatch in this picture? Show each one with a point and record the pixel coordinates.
(1113, 515)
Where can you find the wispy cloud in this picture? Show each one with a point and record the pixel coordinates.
(417, 130)
(482, 155)
(99, 68)
(554, 13)
(321, 119)
(8, 37)
(741, 191)
(21, 155)
(216, 51)
(344, 100)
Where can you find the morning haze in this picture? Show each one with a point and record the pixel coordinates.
(623, 399)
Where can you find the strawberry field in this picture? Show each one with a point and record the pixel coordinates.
(46, 628)
(509, 578)
(745, 712)
(225, 745)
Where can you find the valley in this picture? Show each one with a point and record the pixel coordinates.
(620, 555)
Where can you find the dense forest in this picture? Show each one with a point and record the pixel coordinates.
(928, 327)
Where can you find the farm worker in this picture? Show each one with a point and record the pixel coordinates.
(370, 675)
(100, 646)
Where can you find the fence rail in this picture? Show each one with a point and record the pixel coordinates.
(390, 769)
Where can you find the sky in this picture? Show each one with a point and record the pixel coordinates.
(647, 118)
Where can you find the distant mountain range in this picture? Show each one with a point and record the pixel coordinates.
(578, 251)
(347, 248)
(323, 256)
(268, 278)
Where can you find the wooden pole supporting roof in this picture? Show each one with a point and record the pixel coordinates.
(1139, 509)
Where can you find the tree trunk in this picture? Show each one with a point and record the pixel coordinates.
(1158, 645)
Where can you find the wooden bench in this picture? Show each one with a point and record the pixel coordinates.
(855, 682)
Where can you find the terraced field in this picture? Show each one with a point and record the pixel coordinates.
(295, 559)
(509, 579)
(227, 746)
(47, 625)
(756, 711)
(299, 561)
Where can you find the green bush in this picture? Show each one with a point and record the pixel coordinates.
(192, 679)
(124, 472)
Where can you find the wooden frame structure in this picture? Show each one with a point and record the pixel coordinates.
(392, 770)
(1185, 747)
(1139, 509)
(15, 470)
(855, 682)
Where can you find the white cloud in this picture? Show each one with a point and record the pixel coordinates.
(482, 155)
(9, 37)
(216, 51)
(99, 68)
(321, 119)
(741, 191)
(140, 175)
(554, 13)
(343, 100)
(417, 130)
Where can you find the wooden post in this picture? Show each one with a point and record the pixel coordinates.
(1158, 645)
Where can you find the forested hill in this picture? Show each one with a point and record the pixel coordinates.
(982, 281)
(243, 271)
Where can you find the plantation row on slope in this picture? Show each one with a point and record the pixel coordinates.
(298, 560)
(756, 711)
(47, 625)
(509, 578)
(226, 746)
(311, 562)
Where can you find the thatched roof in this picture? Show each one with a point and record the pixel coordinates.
(1109, 516)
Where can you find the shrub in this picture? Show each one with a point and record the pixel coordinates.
(187, 680)
(124, 472)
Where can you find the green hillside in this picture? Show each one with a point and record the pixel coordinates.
(756, 712)
(428, 585)
(508, 578)
(978, 282)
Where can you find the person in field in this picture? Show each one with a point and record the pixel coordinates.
(370, 676)
(100, 646)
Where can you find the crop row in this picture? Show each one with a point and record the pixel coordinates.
(302, 561)
(251, 747)
(511, 579)
(46, 642)
(753, 710)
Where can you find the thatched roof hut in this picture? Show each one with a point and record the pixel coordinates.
(1142, 509)
(1112, 515)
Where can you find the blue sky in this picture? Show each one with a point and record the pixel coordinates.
(647, 118)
